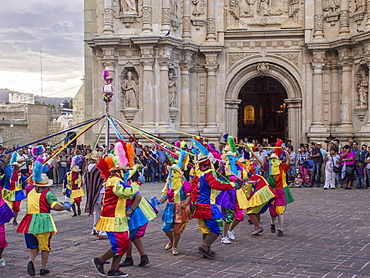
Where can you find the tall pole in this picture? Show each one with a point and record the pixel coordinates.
(108, 92)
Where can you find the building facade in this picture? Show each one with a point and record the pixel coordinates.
(292, 69)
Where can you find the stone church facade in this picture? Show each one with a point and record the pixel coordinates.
(271, 68)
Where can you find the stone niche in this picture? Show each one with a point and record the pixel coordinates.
(129, 92)
(362, 90)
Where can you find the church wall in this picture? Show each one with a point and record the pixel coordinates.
(312, 45)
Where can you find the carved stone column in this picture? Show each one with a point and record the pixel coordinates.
(318, 21)
(366, 128)
(211, 22)
(232, 106)
(108, 18)
(368, 14)
(211, 112)
(147, 17)
(344, 18)
(186, 24)
(166, 13)
(347, 109)
(162, 98)
(334, 94)
(317, 93)
(185, 105)
(148, 94)
(294, 106)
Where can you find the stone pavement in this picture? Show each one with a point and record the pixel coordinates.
(326, 235)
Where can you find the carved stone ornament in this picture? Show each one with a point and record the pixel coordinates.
(147, 14)
(128, 20)
(166, 12)
(211, 28)
(108, 16)
(186, 23)
(263, 68)
(291, 57)
(198, 8)
(344, 19)
(129, 113)
(197, 23)
(175, 23)
(318, 22)
(173, 113)
(236, 57)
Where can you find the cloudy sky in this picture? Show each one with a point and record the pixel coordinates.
(53, 26)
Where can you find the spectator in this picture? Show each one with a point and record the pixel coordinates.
(302, 162)
(359, 171)
(317, 158)
(332, 160)
(348, 159)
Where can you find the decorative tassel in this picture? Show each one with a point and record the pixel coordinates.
(178, 144)
(279, 151)
(14, 157)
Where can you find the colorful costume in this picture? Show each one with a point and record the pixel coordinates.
(38, 225)
(6, 215)
(279, 183)
(204, 185)
(113, 217)
(175, 191)
(73, 187)
(13, 192)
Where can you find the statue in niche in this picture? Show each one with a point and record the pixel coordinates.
(173, 7)
(363, 88)
(130, 92)
(264, 7)
(198, 7)
(172, 90)
(127, 7)
(331, 6)
(249, 9)
(360, 6)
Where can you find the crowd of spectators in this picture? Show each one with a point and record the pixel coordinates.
(312, 164)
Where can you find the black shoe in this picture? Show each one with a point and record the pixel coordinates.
(208, 254)
(273, 230)
(144, 260)
(74, 215)
(347, 188)
(116, 273)
(280, 233)
(44, 271)
(31, 269)
(127, 262)
(79, 212)
(99, 266)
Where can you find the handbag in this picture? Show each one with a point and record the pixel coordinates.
(336, 169)
(349, 170)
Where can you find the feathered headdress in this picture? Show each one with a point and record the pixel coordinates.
(76, 160)
(38, 168)
(106, 75)
(103, 166)
(130, 154)
(39, 150)
(183, 160)
(200, 146)
(231, 142)
(226, 136)
(15, 157)
(278, 144)
(121, 153)
(214, 152)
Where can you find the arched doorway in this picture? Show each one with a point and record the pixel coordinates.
(262, 112)
(277, 70)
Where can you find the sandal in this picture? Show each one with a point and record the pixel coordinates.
(168, 246)
(175, 251)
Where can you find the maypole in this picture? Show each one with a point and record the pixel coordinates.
(108, 92)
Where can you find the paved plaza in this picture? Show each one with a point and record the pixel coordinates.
(326, 235)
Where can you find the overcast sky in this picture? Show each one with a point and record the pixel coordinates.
(55, 27)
